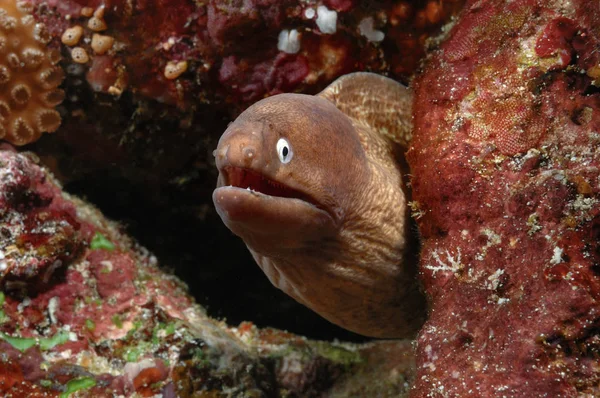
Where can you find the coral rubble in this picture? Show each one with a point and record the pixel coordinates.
(505, 166)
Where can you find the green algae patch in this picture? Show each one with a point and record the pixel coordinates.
(100, 242)
(45, 383)
(133, 354)
(160, 332)
(337, 354)
(90, 325)
(51, 342)
(45, 343)
(170, 328)
(78, 384)
(117, 321)
(20, 343)
(3, 316)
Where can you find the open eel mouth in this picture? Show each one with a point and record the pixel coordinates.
(251, 205)
(249, 179)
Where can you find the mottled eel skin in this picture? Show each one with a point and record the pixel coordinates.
(313, 185)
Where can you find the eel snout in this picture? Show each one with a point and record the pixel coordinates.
(242, 147)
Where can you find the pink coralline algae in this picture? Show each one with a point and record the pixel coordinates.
(506, 185)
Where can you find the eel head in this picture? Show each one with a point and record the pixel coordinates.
(279, 164)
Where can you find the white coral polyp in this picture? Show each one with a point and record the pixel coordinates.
(289, 41)
(326, 20)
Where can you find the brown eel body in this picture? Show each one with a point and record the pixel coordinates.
(314, 187)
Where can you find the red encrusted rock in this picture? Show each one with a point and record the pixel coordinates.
(40, 234)
(149, 34)
(114, 274)
(340, 5)
(506, 184)
(272, 77)
(235, 20)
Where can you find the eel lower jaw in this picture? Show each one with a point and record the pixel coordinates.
(253, 207)
(258, 211)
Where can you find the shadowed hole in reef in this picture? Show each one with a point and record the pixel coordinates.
(201, 251)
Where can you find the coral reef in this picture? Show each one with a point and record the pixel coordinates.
(84, 309)
(505, 167)
(28, 76)
(505, 184)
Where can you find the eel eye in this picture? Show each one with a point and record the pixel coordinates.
(284, 151)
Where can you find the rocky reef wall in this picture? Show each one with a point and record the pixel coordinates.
(505, 164)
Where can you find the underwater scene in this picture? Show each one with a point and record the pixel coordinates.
(299, 198)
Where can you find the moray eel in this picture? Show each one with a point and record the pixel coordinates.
(314, 187)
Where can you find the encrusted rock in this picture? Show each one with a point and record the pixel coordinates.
(506, 184)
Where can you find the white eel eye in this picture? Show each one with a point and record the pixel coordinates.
(284, 151)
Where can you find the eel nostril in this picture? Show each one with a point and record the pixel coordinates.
(221, 154)
(249, 153)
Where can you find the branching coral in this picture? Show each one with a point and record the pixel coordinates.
(29, 76)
